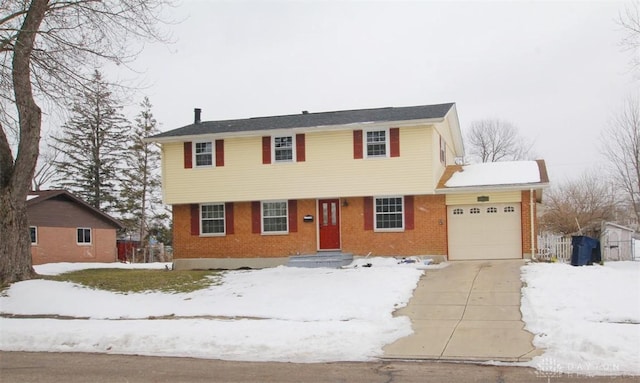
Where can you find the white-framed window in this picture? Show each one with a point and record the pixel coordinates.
(83, 236)
(376, 143)
(33, 233)
(212, 219)
(203, 154)
(458, 211)
(284, 148)
(275, 217)
(389, 213)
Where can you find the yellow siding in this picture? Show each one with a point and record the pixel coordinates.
(329, 171)
(496, 197)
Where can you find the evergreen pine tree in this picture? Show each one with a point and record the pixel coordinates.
(141, 182)
(92, 144)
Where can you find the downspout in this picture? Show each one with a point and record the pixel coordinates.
(531, 216)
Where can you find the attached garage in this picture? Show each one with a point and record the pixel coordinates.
(484, 231)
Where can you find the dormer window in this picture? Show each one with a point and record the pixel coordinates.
(203, 154)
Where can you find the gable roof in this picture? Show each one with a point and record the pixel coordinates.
(36, 197)
(514, 175)
(310, 120)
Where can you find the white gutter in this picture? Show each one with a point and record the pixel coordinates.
(531, 213)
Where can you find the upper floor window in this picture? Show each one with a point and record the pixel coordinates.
(376, 143)
(389, 213)
(83, 235)
(283, 148)
(275, 217)
(33, 233)
(212, 219)
(203, 153)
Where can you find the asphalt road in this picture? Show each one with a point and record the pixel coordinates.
(26, 367)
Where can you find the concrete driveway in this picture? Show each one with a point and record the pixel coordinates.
(469, 310)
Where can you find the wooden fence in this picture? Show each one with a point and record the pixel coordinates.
(554, 248)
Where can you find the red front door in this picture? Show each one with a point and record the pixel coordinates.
(329, 223)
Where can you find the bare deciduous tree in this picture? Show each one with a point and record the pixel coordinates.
(629, 20)
(45, 168)
(580, 204)
(493, 140)
(44, 45)
(621, 146)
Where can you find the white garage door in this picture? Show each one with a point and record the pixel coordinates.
(487, 231)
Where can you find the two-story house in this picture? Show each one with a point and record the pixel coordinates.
(251, 192)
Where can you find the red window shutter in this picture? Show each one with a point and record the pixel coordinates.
(368, 213)
(357, 144)
(408, 213)
(256, 217)
(188, 158)
(228, 217)
(394, 139)
(293, 216)
(266, 150)
(300, 148)
(219, 152)
(195, 219)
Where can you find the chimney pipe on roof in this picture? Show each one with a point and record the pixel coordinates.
(196, 115)
(305, 112)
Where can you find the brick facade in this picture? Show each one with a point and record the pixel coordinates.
(58, 244)
(429, 236)
(526, 222)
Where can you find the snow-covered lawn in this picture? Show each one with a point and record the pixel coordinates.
(586, 318)
(278, 314)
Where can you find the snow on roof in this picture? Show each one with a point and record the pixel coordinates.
(32, 196)
(496, 173)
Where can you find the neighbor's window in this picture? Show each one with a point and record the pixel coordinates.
(84, 235)
(389, 213)
(283, 148)
(33, 233)
(203, 153)
(376, 143)
(275, 217)
(212, 219)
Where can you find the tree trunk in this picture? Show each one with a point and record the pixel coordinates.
(15, 242)
(15, 176)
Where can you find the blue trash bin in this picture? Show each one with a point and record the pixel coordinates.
(585, 250)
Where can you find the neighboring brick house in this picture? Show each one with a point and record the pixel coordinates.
(66, 229)
(252, 192)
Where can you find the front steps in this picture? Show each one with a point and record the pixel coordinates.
(329, 259)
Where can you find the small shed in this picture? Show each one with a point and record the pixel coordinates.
(617, 242)
(64, 228)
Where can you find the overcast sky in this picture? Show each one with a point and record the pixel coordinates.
(554, 69)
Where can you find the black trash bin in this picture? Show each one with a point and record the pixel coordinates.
(585, 250)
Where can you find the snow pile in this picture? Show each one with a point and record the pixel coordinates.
(66, 267)
(587, 319)
(279, 314)
(496, 173)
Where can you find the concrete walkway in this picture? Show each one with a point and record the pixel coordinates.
(469, 310)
